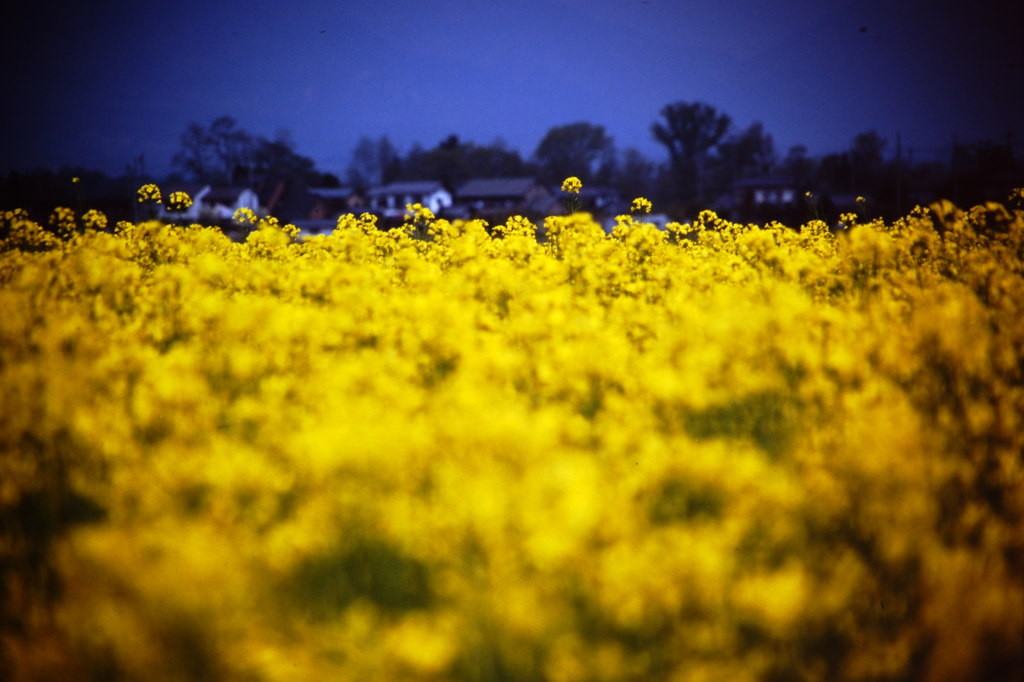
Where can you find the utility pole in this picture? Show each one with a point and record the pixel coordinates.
(134, 170)
(899, 175)
(953, 169)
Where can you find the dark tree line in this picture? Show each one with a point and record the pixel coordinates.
(706, 155)
(224, 153)
(452, 162)
(581, 149)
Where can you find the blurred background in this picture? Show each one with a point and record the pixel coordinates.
(736, 106)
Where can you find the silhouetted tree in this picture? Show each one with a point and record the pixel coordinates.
(580, 149)
(447, 162)
(833, 173)
(634, 175)
(374, 162)
(233, 148)
(866, 161)
(214, 153)
(325, 180)
(453, 162)
(690, 131)
(982, 171)
(798, 166)
(497, 160)
(195, 158)
(223, 152)
(749, 153)
(278, 157)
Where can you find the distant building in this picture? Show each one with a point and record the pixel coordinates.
(390, 200)
(659, 220)
(489, 197)
(773, 190)
(602, 201)
(334, 201)
(286, 199)
(760, 198)
(222, 202)
(210, 203)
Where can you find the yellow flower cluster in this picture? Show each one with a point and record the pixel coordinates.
(418, 212)
(95, 220)
(641, 205)
(244, 216)
(63, 221)
(572, 185)
(178, 201)
(718, 451)
(1017, 198)
(149, 192)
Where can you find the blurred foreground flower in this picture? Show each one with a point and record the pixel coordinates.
(63, 219)
(94, 219)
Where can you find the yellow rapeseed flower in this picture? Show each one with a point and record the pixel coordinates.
(63, 218)
(15, 214)
(244, 216)
(306, 416)
(149, 192)
(641, 205)
(94, 219)
(179, 201)
(418, 212)
(572, 186)
(1017, 197)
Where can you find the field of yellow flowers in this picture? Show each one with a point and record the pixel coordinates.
(453, 451)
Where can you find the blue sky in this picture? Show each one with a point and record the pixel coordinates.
(97, 86)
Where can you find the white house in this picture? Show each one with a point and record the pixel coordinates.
(210, 203)
(390, 200)
(222, 202)
(773, 190)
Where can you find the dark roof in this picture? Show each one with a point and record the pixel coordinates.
(412, 187)
(192, 189)
(332, 192)
(597, 190)
(764, 181)
(224, 195)
(496, 187)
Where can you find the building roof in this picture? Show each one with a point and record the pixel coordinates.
(496, 187)
(332, 192)
(764, 181)
(192, 189)
(223, 194)
(412, 187)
